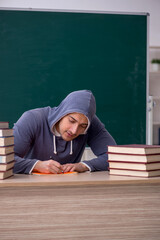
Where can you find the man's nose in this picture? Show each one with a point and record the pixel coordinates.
(74, 129)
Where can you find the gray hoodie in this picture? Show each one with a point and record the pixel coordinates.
(35, 138)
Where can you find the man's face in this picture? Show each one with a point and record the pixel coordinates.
(72, 125)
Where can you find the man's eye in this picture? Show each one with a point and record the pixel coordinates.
(71, 120)
(83, 126)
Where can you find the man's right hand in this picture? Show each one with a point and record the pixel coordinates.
(49, 166)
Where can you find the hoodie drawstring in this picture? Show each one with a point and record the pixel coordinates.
(71, 148)
(54, 145)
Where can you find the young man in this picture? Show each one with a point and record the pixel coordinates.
(52, 140)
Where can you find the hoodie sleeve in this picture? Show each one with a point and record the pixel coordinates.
(23, 134)
(98, 140)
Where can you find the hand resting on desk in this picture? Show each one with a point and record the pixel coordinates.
(74, 167)
(52, 166)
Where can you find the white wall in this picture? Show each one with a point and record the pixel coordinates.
(150, 6)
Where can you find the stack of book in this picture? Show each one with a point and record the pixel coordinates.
(6, 150)
(134, 160)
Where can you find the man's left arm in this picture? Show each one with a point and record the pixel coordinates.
(98, 140)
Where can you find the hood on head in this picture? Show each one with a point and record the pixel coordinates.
(81, 101)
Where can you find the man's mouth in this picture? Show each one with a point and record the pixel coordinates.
(70, 135)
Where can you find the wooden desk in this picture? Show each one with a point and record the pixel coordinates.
(79, 206)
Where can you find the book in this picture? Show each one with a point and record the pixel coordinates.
(134, 166)
(6, 132)
(133, 157)
(4, 124)
(134, 160)
(135, 149)
(7, 166)
(7, 149)
(6, 174)
(134, 173)
(7, 158)
(6, 141)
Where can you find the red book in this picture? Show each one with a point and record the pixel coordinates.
(134, 165)
(6, 174)
(6, 150)
(4, 132)
(134, 173)
(4, 124)
(135, 149)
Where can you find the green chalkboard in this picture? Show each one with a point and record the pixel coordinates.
(44, 55)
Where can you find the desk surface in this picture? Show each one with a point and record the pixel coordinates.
(80, 206)
(79, 179)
